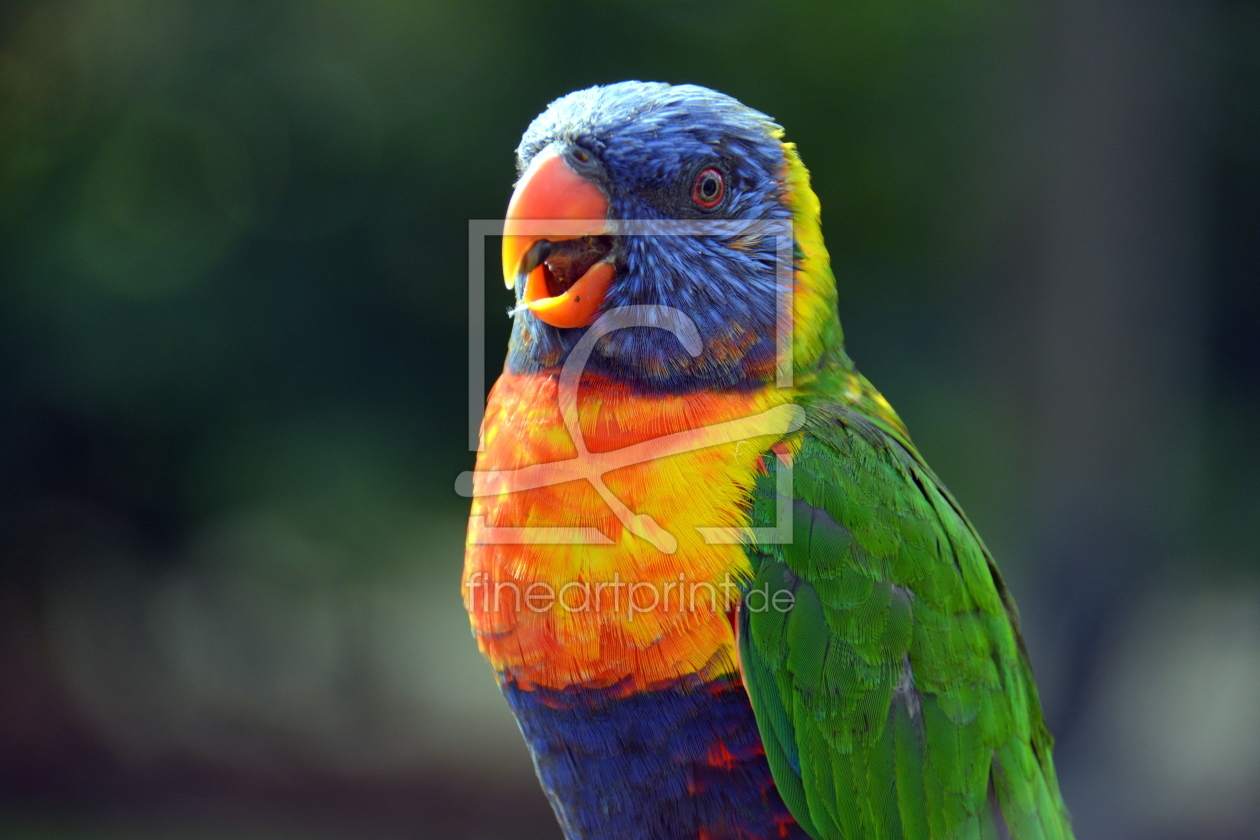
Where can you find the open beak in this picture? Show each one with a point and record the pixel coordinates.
(555, 236)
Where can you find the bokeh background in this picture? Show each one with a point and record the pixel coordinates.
(233, 345)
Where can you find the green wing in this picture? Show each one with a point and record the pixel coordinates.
(894, 696)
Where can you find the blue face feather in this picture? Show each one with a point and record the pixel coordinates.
(646, 145)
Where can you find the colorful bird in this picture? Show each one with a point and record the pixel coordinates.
(721, 590)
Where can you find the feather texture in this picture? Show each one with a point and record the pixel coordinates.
(896, 691)
(865, 679)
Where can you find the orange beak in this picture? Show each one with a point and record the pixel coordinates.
(554, 204)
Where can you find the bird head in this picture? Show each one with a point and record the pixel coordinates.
(602, 160)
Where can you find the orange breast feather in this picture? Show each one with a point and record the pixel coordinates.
(629, 611)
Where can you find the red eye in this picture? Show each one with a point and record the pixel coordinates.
(709, 189)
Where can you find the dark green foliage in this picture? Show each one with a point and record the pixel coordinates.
(894, 697)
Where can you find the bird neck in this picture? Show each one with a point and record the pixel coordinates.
(817, 339)
(822, 369)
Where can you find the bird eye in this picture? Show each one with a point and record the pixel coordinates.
(709, 189)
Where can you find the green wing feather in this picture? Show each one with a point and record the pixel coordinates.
(894, 697)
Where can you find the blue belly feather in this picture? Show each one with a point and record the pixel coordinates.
(684, 762)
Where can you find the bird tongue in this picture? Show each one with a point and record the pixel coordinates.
(569, 259)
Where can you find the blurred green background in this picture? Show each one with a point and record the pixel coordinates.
(233, 347)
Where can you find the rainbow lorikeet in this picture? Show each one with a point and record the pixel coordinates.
(722, 592)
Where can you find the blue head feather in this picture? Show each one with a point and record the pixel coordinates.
(645, 143)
